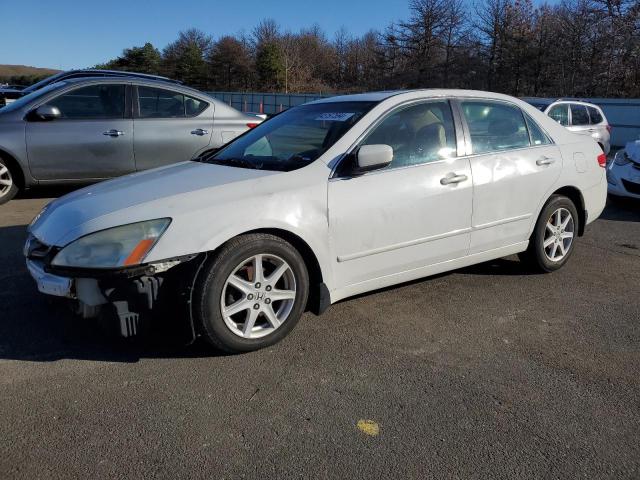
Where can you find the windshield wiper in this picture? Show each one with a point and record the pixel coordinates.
(232, 162)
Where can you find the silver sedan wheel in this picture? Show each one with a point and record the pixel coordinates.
(258, 296)
(6, 181)
(558, 236)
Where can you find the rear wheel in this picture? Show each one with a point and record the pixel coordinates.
(252, 294)
(552, 241)
(8, 187)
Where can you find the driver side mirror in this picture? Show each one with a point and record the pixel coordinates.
(46, 113)
(373, 157)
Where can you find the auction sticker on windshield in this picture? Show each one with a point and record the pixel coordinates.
(334, 117)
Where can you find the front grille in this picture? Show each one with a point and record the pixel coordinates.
(34, 248)
(631, 186)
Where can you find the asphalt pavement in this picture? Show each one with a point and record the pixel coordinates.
(485, 372)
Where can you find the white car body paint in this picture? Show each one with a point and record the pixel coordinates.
(367, 232)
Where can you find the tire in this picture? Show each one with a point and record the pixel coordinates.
(228, 281)
(8, 187)
(559, 245)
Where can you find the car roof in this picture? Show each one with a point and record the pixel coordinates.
(421, 93)
(118, 73)
(578, 102)
(131, 78)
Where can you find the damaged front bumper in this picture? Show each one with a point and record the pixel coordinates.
(129, 294)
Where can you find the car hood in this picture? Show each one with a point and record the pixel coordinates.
(157, 193)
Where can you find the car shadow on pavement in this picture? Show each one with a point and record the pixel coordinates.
(501, 266)
(48, 191)
(622, 210)
(34, 327)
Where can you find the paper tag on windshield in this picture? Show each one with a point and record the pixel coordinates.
(334, 117)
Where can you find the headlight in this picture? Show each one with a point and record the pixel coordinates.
(621, 158)
(115, 247)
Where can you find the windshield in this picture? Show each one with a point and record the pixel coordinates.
(22, 101)
(293, 139)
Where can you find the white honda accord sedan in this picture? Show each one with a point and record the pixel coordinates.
(324, 201)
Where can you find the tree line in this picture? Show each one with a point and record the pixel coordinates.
(575, 48)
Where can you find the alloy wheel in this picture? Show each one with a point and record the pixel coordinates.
(559, 234)
(258, 296)
(6, 181)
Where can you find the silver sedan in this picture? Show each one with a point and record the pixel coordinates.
(84, 130)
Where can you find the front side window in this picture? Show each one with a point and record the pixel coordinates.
(92, 102)
(294, 138)
(418, 134)
(579, 115)
(595, 116)
(560, 113)
(495, 126)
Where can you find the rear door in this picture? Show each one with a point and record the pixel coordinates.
(513, 164)
(169, 126)
(92, 140)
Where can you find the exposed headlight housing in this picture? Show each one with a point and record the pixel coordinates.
(621, 158)
(122, 246)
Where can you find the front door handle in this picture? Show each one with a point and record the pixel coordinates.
(200, 132)
(545, 161)
(113, 133)
(452, 178)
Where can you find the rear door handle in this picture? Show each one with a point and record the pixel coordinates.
(200, 132)
(545, 161)
(452, 178)
(113, 133)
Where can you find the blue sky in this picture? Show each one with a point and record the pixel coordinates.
(72, 34)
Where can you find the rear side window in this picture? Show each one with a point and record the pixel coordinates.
(579, 115)
(595, 115)
(194, 107)
(162, 103)
(538, 137)
(495, 126)
(560, 113)
(92, 102)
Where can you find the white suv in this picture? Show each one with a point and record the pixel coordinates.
(324, 201)
(583, 118)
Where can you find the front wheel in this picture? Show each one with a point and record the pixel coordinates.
(553, 238)
(8, 187)
(251, 294)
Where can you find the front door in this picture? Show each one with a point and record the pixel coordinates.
(92, 140)
(170, 127)
(415, 212)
